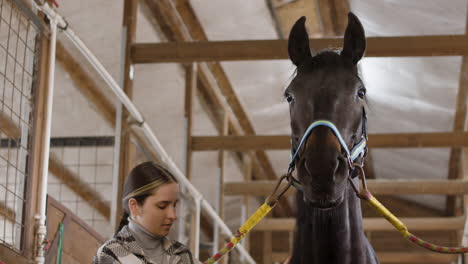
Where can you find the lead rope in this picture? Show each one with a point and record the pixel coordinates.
(400, 226)
(261, 212)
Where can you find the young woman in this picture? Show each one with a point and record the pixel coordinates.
(150, 196)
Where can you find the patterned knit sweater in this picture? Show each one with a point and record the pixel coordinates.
(132, 245)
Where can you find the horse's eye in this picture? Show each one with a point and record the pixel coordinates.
(289, 98)
(362, 93)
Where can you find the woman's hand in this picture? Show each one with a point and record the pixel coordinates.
(288, 260)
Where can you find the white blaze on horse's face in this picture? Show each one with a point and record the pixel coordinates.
(326, 87)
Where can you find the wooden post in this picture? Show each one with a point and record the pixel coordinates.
(127, 149)
(222, 173)
(190, 90)
(33, 193)
(267, 247)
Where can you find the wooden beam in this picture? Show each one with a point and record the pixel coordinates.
(262, 142)
(394, 257)
(241, 50)
(375, 224)
(377, 187)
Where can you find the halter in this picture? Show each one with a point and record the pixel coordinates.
(359, 150)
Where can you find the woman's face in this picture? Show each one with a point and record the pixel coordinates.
(158, 212)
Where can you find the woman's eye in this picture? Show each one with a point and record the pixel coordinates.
(362, 93)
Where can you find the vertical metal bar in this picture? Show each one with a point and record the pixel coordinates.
(196, 252)
(40, 257)
(117, 136)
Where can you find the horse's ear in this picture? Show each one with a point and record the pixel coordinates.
(354, 39)
(298, 44)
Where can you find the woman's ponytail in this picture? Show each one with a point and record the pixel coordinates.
(123, 222)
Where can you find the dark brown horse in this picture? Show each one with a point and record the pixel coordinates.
(327, 87)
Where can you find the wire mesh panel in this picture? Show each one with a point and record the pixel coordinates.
(81, 178)
(18, 58)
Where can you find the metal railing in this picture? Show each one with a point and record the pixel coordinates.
(199, 202)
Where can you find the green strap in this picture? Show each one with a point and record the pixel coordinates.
(60, 245)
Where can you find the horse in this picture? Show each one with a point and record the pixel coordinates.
(326, 86)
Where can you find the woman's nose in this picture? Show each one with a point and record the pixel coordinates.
(172, 214)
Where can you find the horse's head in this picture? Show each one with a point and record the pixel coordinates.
(326, 87)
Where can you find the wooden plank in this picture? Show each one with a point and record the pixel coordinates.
(395, 257)
(377, 187)
(241, 50)
(375, 224)
(401, 140)
(190, 89)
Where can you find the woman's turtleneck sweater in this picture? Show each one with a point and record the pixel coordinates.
(152, 245)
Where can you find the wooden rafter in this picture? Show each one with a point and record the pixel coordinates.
(176, 16)
(183, 52)
(402, 140)
(380, 186)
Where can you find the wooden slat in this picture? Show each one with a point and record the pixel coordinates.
(395, 257)
(182, 52)
(377, 187)
(262, 142)
(375, 224)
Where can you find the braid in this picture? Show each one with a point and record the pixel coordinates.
(123, 222)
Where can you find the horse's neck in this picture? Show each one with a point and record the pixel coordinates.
(331, 236)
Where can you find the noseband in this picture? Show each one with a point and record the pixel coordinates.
(358, 150)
